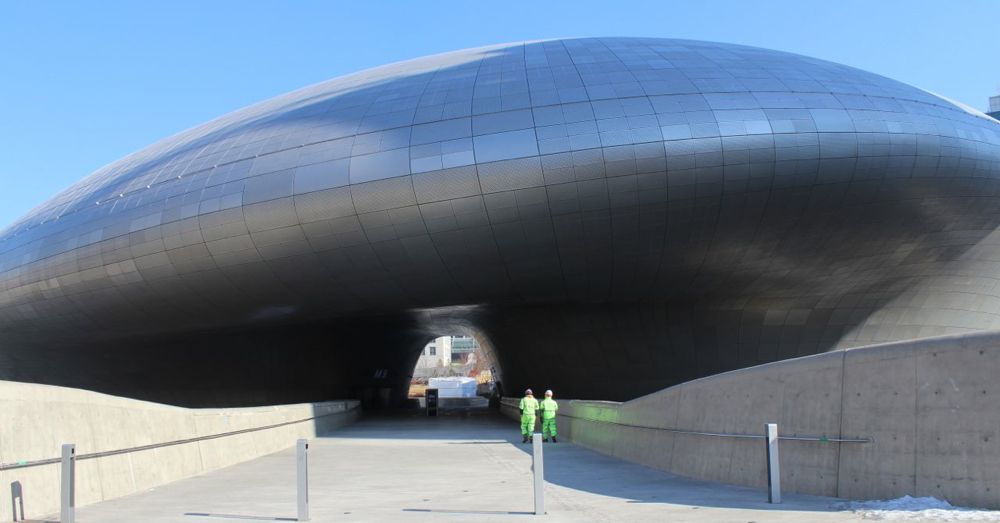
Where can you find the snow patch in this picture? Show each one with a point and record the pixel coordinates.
(909, 508)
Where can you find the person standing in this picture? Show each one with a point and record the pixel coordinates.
(529, 407)
(548, 408)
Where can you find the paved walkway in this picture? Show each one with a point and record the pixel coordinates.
(465, 466)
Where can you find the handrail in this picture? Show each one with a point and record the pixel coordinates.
(822, 439)
(106, 453)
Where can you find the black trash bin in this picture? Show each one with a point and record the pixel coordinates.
(431, 398)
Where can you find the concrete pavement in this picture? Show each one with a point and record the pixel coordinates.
(466, 465)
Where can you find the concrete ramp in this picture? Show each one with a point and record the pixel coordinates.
(466, 466)
(916, 418)
(124, 446)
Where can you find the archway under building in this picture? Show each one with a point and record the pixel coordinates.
(459, 371)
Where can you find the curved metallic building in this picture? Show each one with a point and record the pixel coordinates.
(609, 216)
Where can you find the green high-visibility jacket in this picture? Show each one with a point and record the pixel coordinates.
(528, 406)
(548, 406)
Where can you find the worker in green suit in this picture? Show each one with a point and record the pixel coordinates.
(548, 408)
(529, 407)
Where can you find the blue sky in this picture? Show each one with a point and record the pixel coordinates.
(84, 84)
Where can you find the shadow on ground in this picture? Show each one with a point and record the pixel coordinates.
(568, 465)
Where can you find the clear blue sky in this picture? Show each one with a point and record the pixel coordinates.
(83, 84)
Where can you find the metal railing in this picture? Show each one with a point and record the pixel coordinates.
(106, 453)
(770, 437)
(821, 439)
(67, 487)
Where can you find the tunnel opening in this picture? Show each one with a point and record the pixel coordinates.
(459, 368)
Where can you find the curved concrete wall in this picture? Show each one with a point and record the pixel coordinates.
(931, 408)
(37, 419)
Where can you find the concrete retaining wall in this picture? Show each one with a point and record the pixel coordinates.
(36, 419)
(931, 408)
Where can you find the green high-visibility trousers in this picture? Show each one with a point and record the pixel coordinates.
(548, 427)
(527, 424)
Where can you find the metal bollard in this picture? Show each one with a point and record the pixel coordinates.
(302, 479)
(773, 468)
(538, 467)
(17, 499)
(67, 502)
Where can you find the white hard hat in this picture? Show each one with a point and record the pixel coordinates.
(548, 392)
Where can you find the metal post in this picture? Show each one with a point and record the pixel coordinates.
(773, 469)
(538, 467)
(16, 499)
(302, 480)
(67, 505)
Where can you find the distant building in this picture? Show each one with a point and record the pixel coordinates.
(446, 356)
(437, 353)
(462, 347)
(994, 107)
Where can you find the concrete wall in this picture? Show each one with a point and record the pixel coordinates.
(36, 419)
(931, 407)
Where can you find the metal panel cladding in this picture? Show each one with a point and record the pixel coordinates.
(724, 205)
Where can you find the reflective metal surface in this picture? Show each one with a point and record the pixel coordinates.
(609, 216)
